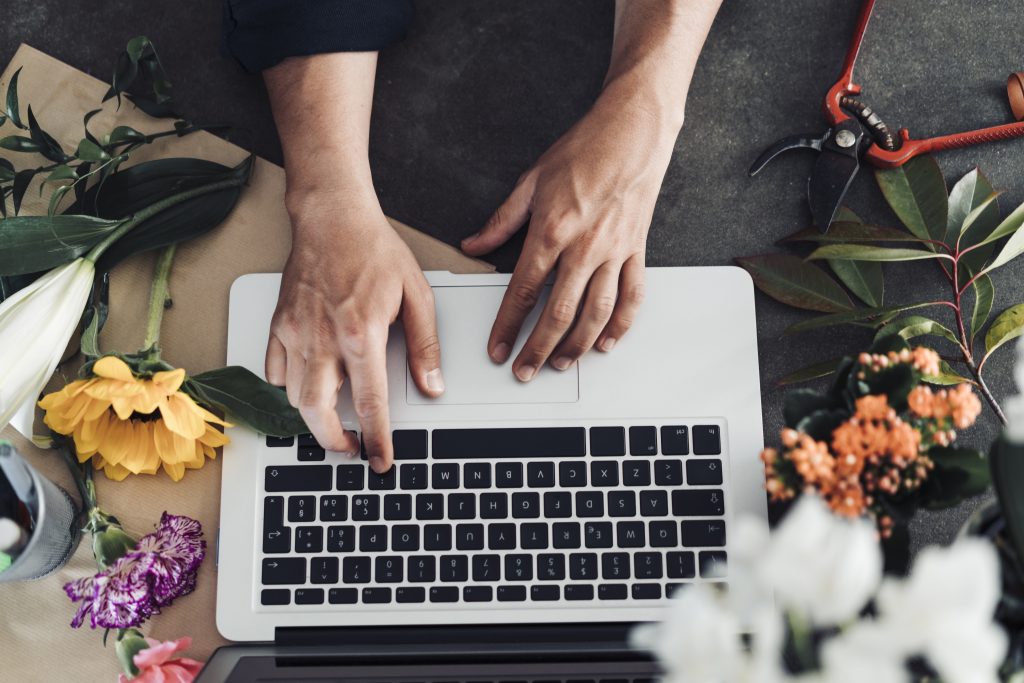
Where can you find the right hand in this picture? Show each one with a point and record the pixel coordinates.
(349, 276)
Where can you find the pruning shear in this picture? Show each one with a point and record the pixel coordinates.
(857, 133)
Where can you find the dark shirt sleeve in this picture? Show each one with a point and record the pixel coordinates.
(261, 33)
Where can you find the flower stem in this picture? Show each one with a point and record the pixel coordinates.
(159, 298)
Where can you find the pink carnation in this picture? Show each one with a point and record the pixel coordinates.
(156, 666)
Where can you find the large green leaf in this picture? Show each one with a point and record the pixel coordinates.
(1007, 326)
(863, 252)
(966, 195)
(248, 400)
(959, 473)
(916, 192)
(864, 278)
(813, 371)
(29, 244)
(947, 376)
(12, 109)
(873, 315)
(1013, 248)
(917, 326)
(799, 403)
(1008, 226)
(795, 282)
(984, 295)
(849, 231)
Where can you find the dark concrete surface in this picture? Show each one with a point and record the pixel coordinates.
(482, 87)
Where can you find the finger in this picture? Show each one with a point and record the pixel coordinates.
(366, 364)
(506, 220)
(421, 341)
(276, 362)
(318, 399)
(294, 372)
(556, 319)
(597, 310)
(520, 297)
(631, 295)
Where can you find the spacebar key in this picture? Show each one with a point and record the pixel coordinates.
(298, 478)
(509, 442)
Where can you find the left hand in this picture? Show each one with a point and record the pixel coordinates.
(589, 201)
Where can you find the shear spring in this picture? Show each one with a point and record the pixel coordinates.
(879, 129)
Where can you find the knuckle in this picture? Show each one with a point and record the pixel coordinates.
(497, 218)
(602, 307)
(636, 293)
(523, 296)
(368, 404)
(563, 312)
(428, 346)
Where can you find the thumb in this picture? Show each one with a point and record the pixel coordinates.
(421, 342)
(504, 222)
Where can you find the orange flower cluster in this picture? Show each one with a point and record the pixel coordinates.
(960, 406)
(924, 360)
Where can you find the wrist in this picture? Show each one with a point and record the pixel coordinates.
(649, 99)
(328, 198)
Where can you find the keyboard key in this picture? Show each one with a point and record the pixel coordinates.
(280, 478)
(675, 440)
(525, 505)
(607, 441)
(698, 503)
(342, 596)
(647, 566)
(615, 566)
(668, 473)
(382, 482)
(486, 567)
(341, 539)
(365, 508)
(273, 512)
(630, 534)
(477, 594)
(355, 570)
(376, 595)
(576, 592)
(643, 441)
(350, 477)
(437, 537)
(311, 454)
(461, 506)
(712, 564)
(533, 536)
(572, 474)
(444, 594)
(511, 593)
(409, 444)
(421, 569)
(397, 506)
(494, 505)
(583, 566)
(636, 473)
(646, 591)
(557, 504)
(704, 472)
(469, 537)
(302, 508)
(551, 567)
(445, 475)
(282, 570)
(680, 565)
(598, 534)
(509, 475)
(703, 533)
(477, 475)
(280, 441)
(309, 539)
(405, 537)
(540, 474)
(604, 473)
(323, 570)
(663, 534)
(454, 568)
(275, 596)
(277, 540)
(518, 567)
(653, 503)
(501, 536)
(589, 504)
(429, 506)
(389, 569)
(565, 535)
(509, 442)
(706, 440)
(373, 538)
(544, 593)
(612, 591)
(306, 440)
(671, 588)
(622, 503)
(410, 594)
(309, 596)
(333, 508)
(413, 476)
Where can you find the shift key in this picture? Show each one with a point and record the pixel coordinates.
(698, 503)
(299, 478)
(284, 570)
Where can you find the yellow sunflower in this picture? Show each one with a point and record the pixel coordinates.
(133, 425)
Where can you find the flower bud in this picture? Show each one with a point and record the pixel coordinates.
(110, 544)
(129, 645)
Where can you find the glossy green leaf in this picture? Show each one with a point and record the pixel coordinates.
(29, 244)
(62, 172)
(22, 179)
(864, 278)
(917, 326)
(6, 170)
(847, 232)
(12, 101)
(877, 316)
(863, 252)
(48, 147)
(1007, 326)
(947, 377)
(984, 295)
(90, 151)
(966, 195)
(56, 197)
(248, 400)
(125, 72)
(1013, 248)
(799, 403)
(916, 192)
(19, 143)
(124, 134)
(795, 282)
(136, 46)
(1006, 461)
(980, 216)
(813, 371)
(1009, 225)
(959, 474)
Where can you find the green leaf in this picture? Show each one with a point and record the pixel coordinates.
(6, 170)
(124, 134)
(947, 377)
(21, 183)
(984, 295)
(48, 147)
(90, 151)
(55, 198)
(1009, 225)
(795, 282)
(1007, 469)
(820, 424)
(799, 403)
(62, 172)
(980, 216)
(860, 252)
(875, 315)
(846, 232)
(917, 326)
(895, 381)
(959, 474)
(19, 143)
(967, 194)
(248, 400)
(136, 46)
(12, 101)
(864, 278)
(125, 72)
(90, 339)
(916, 192)
(814, 371)
(1013, 248)
(29, 244)
(1007, 326)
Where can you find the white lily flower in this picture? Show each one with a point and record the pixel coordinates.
(36, 324)
(863, 652)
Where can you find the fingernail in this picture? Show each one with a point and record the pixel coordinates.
(470, 239)
(500, 353)
(526, 373)
(378, 465)
(562, 363)
(435, 382)
(608, 344)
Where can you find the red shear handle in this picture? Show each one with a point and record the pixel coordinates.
(845, 85)
(912, 148)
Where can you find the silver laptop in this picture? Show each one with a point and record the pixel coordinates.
(586, 497)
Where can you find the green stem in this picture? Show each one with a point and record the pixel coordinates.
(159, 298)
(78, 473)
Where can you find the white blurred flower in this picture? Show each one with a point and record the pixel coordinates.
(821, 566)
(863, 652)
(36, 324)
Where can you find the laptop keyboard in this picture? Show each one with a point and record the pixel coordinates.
(563, 515)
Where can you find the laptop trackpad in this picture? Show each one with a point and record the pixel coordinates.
(464, 319)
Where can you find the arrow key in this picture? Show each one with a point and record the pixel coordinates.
(277, 540)
(284, 570)
(323, 570)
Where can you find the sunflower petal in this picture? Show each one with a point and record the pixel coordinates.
(113, 367)
(183, 416)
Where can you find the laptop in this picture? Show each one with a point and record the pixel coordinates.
(524, 529)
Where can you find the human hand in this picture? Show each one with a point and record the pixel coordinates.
(349, 276)
(589, 201)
